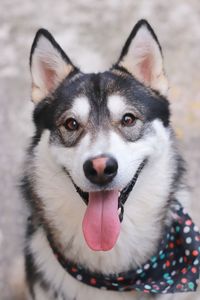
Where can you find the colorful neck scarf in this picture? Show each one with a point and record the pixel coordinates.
(174, 268)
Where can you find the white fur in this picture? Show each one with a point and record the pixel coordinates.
(65, 209)
(43, 295)
(116, 106)
(81, 108)
(144, 47)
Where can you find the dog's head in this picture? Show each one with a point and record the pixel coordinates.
(102, 126)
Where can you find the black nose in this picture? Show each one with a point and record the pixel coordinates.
(100, 170)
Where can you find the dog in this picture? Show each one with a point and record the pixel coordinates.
(102, 168)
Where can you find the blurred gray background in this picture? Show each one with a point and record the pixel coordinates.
(92, 32)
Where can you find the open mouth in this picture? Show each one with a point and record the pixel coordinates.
(104, 213)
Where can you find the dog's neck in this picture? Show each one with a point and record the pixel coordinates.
(144, 213)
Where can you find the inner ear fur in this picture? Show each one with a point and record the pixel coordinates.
(49, 65)
(142, 57)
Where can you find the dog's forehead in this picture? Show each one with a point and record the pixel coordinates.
(114, 104)
(101, 89)
(113, 92)
(99, 94)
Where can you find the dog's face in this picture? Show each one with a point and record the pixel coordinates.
(101, 125)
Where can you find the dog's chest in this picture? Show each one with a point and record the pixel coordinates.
(55, 283)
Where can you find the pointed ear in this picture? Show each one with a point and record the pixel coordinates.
(142, 57)
(49, 65)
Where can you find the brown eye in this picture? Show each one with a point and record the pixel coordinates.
(71, 124)
(128, 120)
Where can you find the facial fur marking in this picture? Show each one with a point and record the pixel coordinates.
(81, 107)
(116, 105)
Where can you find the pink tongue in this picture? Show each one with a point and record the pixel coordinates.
(101, 223)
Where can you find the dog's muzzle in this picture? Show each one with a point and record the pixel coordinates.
(123, 194)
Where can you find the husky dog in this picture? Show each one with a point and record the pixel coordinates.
(102, 167)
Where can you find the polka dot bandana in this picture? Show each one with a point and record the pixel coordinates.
(174, 268)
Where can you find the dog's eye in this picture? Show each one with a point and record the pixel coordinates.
(71, 124)
(128, 120)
